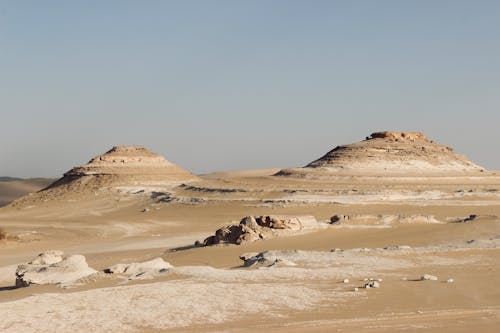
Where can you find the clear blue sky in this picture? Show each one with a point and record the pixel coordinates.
(221, 85)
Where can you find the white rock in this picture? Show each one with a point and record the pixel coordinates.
(142, 270)
(282, 263)
(52, 267)
(346, 281)
(427, 277)
(48, 258)
(247, 256)
(373, 284)
(356, 289)
(450, 281)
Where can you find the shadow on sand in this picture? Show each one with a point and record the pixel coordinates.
(8, 288)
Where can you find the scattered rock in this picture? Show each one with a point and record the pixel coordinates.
(427, 277)
(143, 270)
(53, 267)
(338, 219)
(372, 284)
(469, 218)
(282, 263)
(247, 256)
(450, 281)
(254, 259)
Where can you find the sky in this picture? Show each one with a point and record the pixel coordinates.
(227, 85)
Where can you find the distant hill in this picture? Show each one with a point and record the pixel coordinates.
(121, 167)
(389, 153)
(9, 179)
(12, 188)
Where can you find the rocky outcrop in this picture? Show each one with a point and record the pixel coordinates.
(388, 153)
(143, 270)
(398, 136)
(253, 228)
(53, 267)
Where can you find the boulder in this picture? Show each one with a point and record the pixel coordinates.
(250, 222)
(338, 219)
(252, 228)
(372, 284)
(53, 267)
(142, 270)
(427, 277)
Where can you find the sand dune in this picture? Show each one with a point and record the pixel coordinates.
(11, 189)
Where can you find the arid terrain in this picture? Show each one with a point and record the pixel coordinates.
(394, 233)
(13, 188)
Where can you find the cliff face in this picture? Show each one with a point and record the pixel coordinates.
(391, 153)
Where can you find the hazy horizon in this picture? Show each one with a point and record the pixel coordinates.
(225, 85)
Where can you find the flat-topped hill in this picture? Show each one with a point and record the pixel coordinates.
(125, 166)
(390, 153)
(129, 160)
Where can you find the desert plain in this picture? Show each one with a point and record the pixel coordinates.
(394, 233)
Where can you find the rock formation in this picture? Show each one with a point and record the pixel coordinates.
(252, 228)
(125, 166)
(389, 153)
(143, 270)
(52, 267)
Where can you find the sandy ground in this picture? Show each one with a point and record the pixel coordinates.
(15, 188)
(209, 290)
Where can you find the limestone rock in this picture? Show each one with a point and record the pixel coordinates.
(427, 277)
(372, 284)
(253, 228)
(338, 219)
(143, 270)
(53, 267)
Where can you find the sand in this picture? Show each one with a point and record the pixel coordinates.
(11, 189)
(399, 228)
